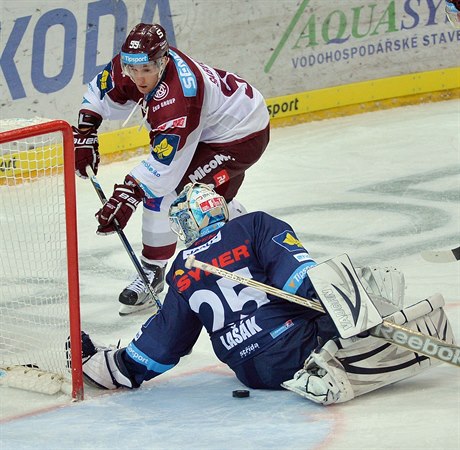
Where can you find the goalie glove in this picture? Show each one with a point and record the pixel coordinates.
(119, 208)
(86, 144)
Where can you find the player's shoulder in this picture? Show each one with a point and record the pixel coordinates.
(186, 66)
(255, 217)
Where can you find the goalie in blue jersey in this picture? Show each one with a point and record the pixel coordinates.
(268, 342)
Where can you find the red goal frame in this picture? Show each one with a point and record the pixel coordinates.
(65, 129)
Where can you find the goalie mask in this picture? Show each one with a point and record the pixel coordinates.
(145, 45)
(453, 12)
(197, 211)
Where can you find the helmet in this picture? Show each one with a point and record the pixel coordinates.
(145, 42)
(453, 12)
(197, 211)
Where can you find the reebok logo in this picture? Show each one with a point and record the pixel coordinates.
(422, 344)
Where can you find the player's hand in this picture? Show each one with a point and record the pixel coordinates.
(86, 150)
(119, 208)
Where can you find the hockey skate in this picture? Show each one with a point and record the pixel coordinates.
(136, 297)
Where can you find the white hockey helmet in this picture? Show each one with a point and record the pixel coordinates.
(197, 211)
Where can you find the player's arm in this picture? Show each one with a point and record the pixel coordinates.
(284, 258)
(105, 98)
(157, 348)
(175, 136)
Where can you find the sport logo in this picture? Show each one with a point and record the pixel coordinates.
(221, 177)
(180, 122)
(139, 58)
(104, 80)
(161, 92)
(163, 149)
(288, 241)
(354, 309)
(207, 204)
(186, 77)
(202, 171)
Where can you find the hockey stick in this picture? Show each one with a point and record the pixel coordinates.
(123, 238)
(441, 256)
(396, 334)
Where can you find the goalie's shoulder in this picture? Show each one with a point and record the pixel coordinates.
(262, 219)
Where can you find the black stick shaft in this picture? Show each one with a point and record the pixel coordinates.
(123, 238)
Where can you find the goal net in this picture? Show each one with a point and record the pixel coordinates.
(39, 290)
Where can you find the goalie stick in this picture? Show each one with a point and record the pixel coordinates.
(396, 334)
(441, 256)
(123, 238)
(31, 378)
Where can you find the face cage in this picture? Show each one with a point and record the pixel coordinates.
(184, 226)
(159, 64)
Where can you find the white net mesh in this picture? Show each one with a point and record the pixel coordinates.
(34, 310)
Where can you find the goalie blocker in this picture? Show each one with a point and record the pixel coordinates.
(343, 369)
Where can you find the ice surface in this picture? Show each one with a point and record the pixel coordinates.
(382, 187)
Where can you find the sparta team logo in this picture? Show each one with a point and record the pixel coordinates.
(161, 92)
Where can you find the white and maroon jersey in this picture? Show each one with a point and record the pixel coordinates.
(193, 103)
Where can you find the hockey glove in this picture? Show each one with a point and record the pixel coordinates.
(86, 142)
(86, 150)
(119, 208)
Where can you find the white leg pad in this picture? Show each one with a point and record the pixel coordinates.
(105, 370)
(384, 284)
(346, 368)
(323, 379)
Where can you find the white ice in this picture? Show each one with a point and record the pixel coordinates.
(380, 186)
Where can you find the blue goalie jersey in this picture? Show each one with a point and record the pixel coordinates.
(241, 321)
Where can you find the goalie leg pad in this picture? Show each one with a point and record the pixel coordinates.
(106, 369)
(346, 368)
(385, 285)
(323, 379)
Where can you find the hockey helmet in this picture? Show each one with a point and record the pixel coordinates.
(196, 212)
(145, 42)
(453, 12)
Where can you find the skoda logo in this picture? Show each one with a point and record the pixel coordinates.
(161, 92)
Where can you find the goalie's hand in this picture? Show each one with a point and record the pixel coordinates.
(86, 145)
(119, 208)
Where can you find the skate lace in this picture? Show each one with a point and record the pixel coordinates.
(138, 285)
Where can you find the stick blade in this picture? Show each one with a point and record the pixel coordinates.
(441, 256)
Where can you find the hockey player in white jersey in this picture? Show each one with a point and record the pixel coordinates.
(205, 124)
(268, 342)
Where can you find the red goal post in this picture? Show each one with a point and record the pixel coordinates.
(39, 295)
